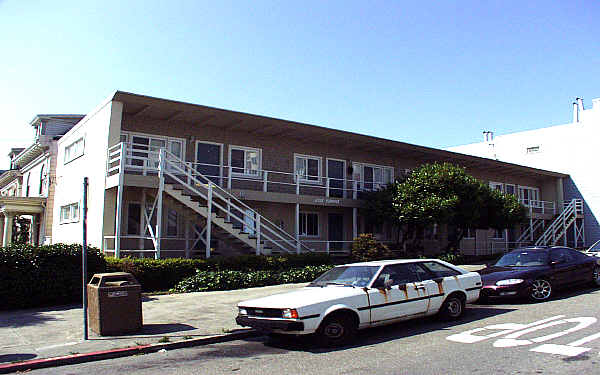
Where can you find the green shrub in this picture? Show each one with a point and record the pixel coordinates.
(163, 274)
(453, 258)
(366, 248)
(204, 281)
(44, 275)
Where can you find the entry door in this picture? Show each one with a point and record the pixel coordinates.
(336, 173)
(208, 160)
(336, 231)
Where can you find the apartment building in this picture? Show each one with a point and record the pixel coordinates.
(27, 188)
(569, 148)
(168, 178)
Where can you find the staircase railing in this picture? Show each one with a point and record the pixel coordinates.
(185, 174)
(527, 235)
(563, 221)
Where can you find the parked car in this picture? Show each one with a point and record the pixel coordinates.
(594, 250)
(537, 272)
(359, 295)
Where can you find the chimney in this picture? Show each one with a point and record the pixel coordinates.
(575, 113)
(580, 103)
(488, 136)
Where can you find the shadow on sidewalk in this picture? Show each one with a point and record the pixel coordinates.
(8, 358)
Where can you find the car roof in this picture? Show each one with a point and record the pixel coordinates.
(389, 261)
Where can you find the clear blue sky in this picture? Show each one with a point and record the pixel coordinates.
(428, 73)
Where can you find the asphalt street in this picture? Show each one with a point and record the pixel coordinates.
(561, 336)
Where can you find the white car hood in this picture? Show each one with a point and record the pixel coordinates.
(304, 297)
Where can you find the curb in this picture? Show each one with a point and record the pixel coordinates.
(124, 352)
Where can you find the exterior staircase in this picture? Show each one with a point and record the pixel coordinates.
(222, 211)
(558, 228)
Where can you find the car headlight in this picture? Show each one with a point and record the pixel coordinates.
(509, 282)
(289, 314)
(242, 311)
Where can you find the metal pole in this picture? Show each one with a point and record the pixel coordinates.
(84, 259)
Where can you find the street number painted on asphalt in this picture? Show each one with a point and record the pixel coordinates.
(512, 332)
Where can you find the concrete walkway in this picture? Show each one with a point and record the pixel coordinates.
(58, 331)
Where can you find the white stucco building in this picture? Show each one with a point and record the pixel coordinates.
(570, 148)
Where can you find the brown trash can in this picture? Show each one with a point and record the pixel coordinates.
(114, 304)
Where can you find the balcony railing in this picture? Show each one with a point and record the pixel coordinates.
(141, 159)
(540, 207)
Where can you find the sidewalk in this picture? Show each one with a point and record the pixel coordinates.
(175, 318)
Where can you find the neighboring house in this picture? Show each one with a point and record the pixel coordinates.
(570, 148)
(27, 189)
(168, 178)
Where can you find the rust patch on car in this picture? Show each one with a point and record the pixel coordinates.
(403, 288)
(440, 284)
(384, 292)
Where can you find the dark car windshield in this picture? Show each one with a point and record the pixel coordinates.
(524, 259)
(347, 275)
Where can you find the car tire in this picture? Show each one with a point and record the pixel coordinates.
(337, 330)
(453, 308)
(596, 276)
(541, 290)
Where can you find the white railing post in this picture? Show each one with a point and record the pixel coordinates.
(328, 242)
(257, 224)
(265, 174)
(354, 190)
(228, 209)
(208, 218)
(327, 190)
(297, 184)
(229, 177)
(297, 228)
(189, 172)
(159, 204)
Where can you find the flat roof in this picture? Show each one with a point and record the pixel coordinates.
(172, 110)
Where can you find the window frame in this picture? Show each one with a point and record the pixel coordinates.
(73, 211)
(168, 140)
(141, 218)
(70, 158)
(302, 233)
(168, 213)
(304, 178)
(375, 184)
(245, 173)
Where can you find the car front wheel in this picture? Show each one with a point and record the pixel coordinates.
(596, 276)
(541, 290)
(337, 330)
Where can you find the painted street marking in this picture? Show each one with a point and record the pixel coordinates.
(513, 331)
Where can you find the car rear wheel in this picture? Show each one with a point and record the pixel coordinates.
(596, 276)
(337, 330)
(541, 290)
(452, 308)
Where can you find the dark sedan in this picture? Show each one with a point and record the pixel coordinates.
(536, 272)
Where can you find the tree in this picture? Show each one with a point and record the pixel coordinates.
(443, 193)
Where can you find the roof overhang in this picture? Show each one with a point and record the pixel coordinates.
(29, 154)
(8, 176)
(140, 107)
(22, 205)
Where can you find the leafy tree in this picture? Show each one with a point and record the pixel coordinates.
(442, 193)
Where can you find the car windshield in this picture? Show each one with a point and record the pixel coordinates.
(347, 275)
(524, 259)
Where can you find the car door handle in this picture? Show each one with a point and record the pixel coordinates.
(420, 286)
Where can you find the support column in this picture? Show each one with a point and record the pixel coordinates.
(33, 239)
(8, 224)
(297, 229)
(208, 218)
(2, 218)
(354, 223)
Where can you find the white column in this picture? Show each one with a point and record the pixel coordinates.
(33, 230)
(159, 204)
(297, 228)
(208, 218)
(354, 223)
(187, 238)
(8, 224)
(119, 212)
(2, 218)
(257, 225)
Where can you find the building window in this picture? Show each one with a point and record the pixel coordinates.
(469, 234)
(511, 189)
(74, 150)
(372, 177)
(498, 234)
(134, 216)
(308, 168)
(245, 161)
(145, 149)
(27, 184)
(309, 224)
(172, 217)
(42, 189)
(497, 186)
(529, 195)
(533, 149)
(69, 213)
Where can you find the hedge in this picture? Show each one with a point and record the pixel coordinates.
(44, 275)
(163, 274)
(204, 281)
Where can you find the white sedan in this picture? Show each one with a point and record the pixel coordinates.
(360, 295)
